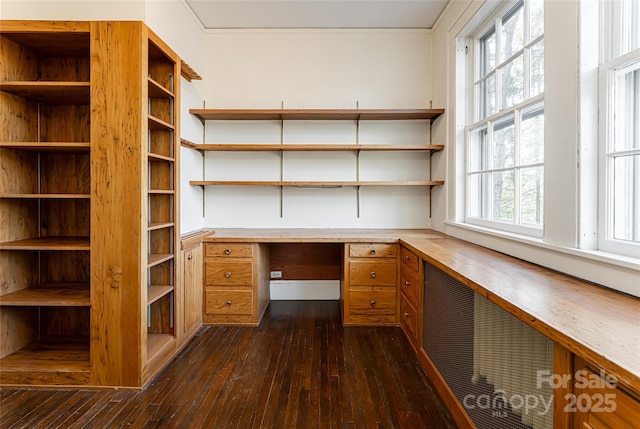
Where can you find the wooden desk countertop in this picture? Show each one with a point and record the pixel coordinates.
(599, 325)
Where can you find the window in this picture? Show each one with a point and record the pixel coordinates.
(505, 142)
(619, 223)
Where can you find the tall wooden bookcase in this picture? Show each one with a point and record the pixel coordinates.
(89, 117)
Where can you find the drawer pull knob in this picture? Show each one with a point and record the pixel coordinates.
(407, 282)
(227, 251)
(406, 257)
(373, 303)
(373, 251)
(227, 274)
(406, 314)
(373, 274)
(228, 303)
(190, 257)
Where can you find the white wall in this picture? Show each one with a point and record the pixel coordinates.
(317, 69)
(563, 225)
(69, 10)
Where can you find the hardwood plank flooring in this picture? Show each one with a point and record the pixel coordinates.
(300, 369)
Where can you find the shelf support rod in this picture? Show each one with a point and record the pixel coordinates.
(358, 162)
(281, 162)
(204, 169)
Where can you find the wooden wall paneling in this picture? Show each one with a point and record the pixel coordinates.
(18, 270)
(70, 266)
(65, 322)
(66, 68)
(160, 142)
(161, 175)
(65, 217)
(307, 261)
(160, 241)
(161, 208)
(66, 123)
(19, 219)
(18, 118)
(160, 319)
(262, 284)
(160, 108)
(162, 274)
(19, 328)
(19, 172)
(117, 298)
(17, 63)
(65, 173)
(563, 367)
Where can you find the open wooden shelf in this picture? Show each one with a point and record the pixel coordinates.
(80, 147)
(158, 258)
(318, 184)
(47, 196)
(316, 114)
(48, 243)
(314, 147)
(158, 91)
(50, 92)
(152, 226)
(157, 157)
(52, 355)
(156, 342)
(57, 294)
(158, 124)
(154, 293)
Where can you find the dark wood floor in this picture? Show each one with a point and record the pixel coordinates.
(299, 369)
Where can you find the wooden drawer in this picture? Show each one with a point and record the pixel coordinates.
(409, 318)
(410, 260)
(225, 250)
(409, 285)
(602, 404)
(228, 301)
(373, 250)
(379, 273)
(228, 272)
(372, 301)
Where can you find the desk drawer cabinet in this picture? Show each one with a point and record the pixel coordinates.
(236, 282)
(369, 295)
(411, 286)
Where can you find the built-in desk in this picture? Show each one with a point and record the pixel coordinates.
(587, 323)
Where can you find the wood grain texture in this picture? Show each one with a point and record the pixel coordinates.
(306, 261)
(50, 92)
(118, 73)
(192, 291)
(596, 324)
(233, 147)
(315, 235)
(300, 366)
(315, 114)
(64, 294)
(315, 184)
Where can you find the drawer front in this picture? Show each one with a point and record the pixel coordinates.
(378, 273)
(224, 301)
(410, 260)
(609, 407)
(227, 272)
(409, 285)
(373, 250)
(373, 302)
(225, 250)
(409, 318)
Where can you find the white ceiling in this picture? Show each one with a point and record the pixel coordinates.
(317, 13)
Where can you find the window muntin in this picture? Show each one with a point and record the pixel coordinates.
(619, 221)
(505, 145)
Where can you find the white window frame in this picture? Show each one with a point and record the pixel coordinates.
(613, 62)
(515, 112)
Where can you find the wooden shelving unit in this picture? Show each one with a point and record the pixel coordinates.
(315, 114)
(45, 197)
(88, 202)
(283, 115)
(162, 169)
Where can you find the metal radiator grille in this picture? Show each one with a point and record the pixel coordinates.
(490, 359)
